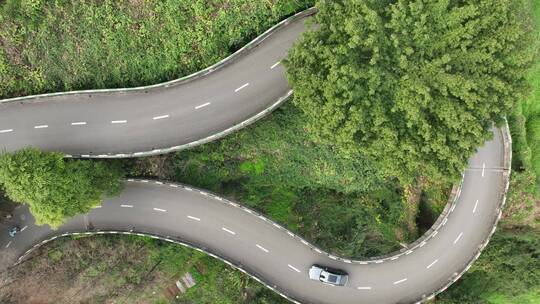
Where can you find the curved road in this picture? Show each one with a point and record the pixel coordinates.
(108, 124)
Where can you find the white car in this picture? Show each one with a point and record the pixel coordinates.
(328, 275)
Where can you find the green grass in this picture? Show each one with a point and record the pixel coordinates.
(531, 106)
(64, 45)
(340, 203)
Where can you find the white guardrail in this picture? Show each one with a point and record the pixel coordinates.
(441, 221)
(148, 89)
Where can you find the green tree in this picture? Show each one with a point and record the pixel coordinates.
(415, 84)
(56, 188)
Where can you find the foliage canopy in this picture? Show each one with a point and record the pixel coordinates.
(54, 188)
(415, 84)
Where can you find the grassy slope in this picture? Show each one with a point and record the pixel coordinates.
(531, 107)
(339, 203)
(66, 45)
(112, 269)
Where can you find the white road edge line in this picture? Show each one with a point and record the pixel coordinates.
(458, 237)
(432, 263)
(202, 106)
(227, 230)
(475, 205)
(119, 121)
(160, 117)
(400, 281)
(262, 248)
(6, 131)
(275, 65)
(363, 288)
(78, 123)
(193, 218)
(41, 127)
(293, 268)
(126, 206)
(240, 88)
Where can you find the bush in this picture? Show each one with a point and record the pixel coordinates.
(55, 188)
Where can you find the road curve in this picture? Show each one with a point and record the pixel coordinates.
(121, 123)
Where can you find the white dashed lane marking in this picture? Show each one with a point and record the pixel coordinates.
(363, 288)
(228, 231)
(432, 263)
(483, 169)
(193, 218)
(160, 210)
(23, 228)
(262, 248)
(202, 106)
(41, 127)
(119, 121)
(126, 206)
(160, 117)
(6, 131)
(78, 123)
(240, 88)
(458, 237)
(400, 281)
(293, 268)
(7, 246)
(275, 65)
(475, 205)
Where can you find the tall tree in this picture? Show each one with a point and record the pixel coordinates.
(55, 188)
(415, 84)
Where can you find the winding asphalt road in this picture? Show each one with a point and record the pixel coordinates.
(119, 124)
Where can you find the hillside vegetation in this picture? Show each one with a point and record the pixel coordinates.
(508, 272)
(343, 200)
(50, 46)
(56, 189)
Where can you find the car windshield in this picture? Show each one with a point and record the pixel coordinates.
(332, 278)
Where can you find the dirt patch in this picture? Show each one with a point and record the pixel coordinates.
(88, 270)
